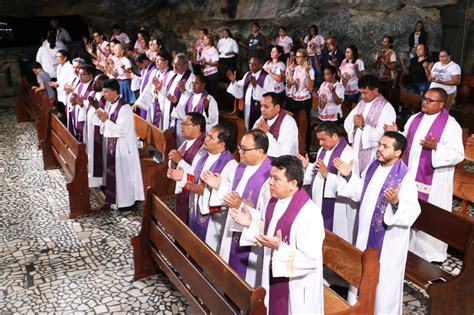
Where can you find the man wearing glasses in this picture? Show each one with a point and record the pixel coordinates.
(246, 186)
(193, 129)
(79, 99)
(434, 148)
(207, 220)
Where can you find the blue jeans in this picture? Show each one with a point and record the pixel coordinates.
(418, 88)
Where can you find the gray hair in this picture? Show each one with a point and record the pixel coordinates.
(183, 57)
(81, 61)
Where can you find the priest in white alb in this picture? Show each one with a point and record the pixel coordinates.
(205, 220)
(281, 128)
(292, 239)
(246, 184)
(364, 124)
(388, 208)
(434, 148)
(123, 182)
(338, 212)
(253, 85)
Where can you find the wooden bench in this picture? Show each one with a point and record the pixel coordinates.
(463, 183)
(360, 269)
(208, 283)
(406, 100)
(60, 148)
(454, 294)
(142, 130)
(32, 106)
(465, 92)
(153, 171)
(204, 279)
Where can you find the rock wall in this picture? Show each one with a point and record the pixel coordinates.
(359, 22)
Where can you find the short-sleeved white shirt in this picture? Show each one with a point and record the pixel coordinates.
(445, 73)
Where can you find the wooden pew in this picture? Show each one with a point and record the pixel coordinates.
(463, 187)
(28, 105)
(32, 106)
(154, 172)
(465, 93)
(302, 123)
(204, 279)
(360, 269)
(208, 282)
(142, 130)
(60, 148)
(409, 101)
(454, 294)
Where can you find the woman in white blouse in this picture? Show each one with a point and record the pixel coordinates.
(351, 70)
(276, 70)
(446, 74)
(330, 96)
(228, 50)
(209, 60)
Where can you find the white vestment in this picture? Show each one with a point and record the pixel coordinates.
(217, 220)
(389, 295)
(128, 172)
(370, 135)
(344, 209)
(65, 75)
(237, 90)
(89, 135)
(302, 263)
(166, 109)
(449, 152)
(287, 142)
(212, 118)
(254, 269)
(147, 97)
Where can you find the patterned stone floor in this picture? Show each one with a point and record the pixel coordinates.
(51, 264)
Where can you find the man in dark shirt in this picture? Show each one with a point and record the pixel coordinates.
(331, 55)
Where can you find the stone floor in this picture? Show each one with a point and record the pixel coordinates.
(51, 264)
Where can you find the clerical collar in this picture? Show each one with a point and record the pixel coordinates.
(256, 74)
(214, 155)
(189, 143)
(118, 98)
(286, 200)
(272, 120)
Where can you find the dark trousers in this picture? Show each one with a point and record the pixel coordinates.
(211, 84)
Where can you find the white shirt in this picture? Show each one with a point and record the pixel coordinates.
(47, 58)
(328, 109)
(348, 72)
(122, 37)
(300, 92)
(277, 68)
(286, 43)
(227, 45)
(209, 54)
(287, 143)
(314, 45)
(445, 73)
(119, 65)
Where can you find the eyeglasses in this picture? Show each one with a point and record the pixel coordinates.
(429, 100)
(188, 123)
(245, 150)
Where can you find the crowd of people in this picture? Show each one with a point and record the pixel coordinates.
(266, 213)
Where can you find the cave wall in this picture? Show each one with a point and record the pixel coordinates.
(353, 21)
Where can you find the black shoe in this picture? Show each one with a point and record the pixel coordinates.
(129, 208)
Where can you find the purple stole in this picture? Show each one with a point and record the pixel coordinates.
(177, 92)
(98, 158)
(80, 124)
(372, 119)
(197, 222)
(254, 110)
(157, 106)
(182, 199)
(239, 255)
(111, 178)
(279, 286)
(275, 128)
(424, 175)
(72, 115)
(377, 226)
(145, 74)
(328, 204)
(200, 105)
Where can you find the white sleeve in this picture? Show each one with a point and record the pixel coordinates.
(450, 151)
(180, 111)
(371, 135)
(287, 139)
(349, 124)
(123, 124)
(236, 88)
(213, 118)
(305, 256)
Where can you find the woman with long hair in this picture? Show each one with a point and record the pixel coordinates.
(351, 70)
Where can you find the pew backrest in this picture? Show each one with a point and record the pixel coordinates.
(207, 281)
(142, 130)
(361, 269)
